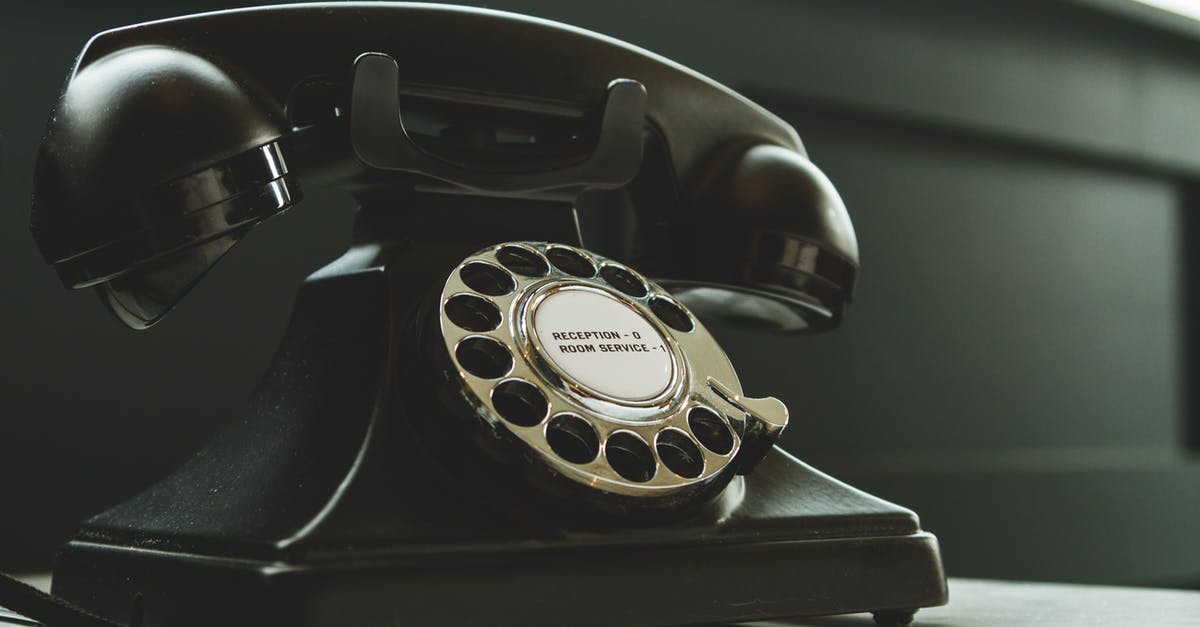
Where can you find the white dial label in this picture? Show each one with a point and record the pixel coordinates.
(604, 344)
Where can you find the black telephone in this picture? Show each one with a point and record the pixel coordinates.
(472, 419)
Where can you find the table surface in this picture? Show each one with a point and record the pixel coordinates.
(1011, 603)
(987, 603)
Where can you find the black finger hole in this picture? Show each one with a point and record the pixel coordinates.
(571, 262)
(671, 314)
(712, 432)
(679, 453)
(487, 279)
(483, 357)
(472, 313)
(522, 261)
(573, 438)
(519, 402)
(624, 280)
(630, 456)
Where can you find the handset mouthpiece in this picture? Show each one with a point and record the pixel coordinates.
(155, 163)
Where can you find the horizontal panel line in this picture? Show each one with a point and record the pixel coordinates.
(795, 108)
(1011, 460)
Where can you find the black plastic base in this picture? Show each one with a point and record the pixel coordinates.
(798, 544)
(325, 505)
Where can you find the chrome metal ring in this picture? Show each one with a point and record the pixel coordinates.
(587, 425)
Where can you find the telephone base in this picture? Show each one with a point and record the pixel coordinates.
(332, 502)
(847, 553)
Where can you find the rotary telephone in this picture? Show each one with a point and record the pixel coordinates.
(472, 418)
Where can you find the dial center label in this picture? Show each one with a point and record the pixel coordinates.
(604, 344)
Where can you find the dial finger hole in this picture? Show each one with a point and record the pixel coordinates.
(679, 453)
(487, 279)
(571, 262)
(624, 280)
(519, 402)
(523, 261)
(472, 313)
(483, 357)
(573, 438)
(630, 456)
(671, 314)
(711, 430)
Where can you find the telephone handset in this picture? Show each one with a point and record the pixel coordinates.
(469, 400)
(166, 148)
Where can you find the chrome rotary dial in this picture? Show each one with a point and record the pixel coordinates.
(599, 372)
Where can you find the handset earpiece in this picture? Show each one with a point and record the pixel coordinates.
(155, 163)
(773, 247)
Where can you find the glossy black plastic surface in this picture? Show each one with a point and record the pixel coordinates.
(408, 96)
(758, 245)
(340, 497)
(381, 140)
(141, 141)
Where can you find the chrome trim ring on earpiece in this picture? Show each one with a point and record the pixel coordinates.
(637, 399)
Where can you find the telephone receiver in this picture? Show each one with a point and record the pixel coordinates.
(164, 151)
(473, 417)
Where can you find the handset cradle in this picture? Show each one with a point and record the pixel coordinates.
(381, 141)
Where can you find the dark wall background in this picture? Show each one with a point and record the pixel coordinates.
(1015, 367)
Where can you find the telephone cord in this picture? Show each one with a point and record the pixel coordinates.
(47, 609)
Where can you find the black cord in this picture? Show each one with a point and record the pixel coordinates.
(48, 610)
